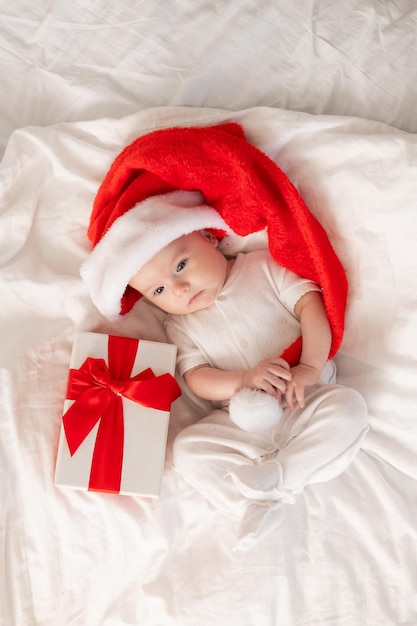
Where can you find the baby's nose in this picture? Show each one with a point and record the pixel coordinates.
(181, 287)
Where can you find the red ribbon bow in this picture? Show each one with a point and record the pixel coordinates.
(97, 390)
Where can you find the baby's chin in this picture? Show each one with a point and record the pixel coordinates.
(201, 301)
(193, 308)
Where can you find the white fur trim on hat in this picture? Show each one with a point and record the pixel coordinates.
(136, 236)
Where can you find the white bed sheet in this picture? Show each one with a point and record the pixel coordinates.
(81, 81)
(83, 60)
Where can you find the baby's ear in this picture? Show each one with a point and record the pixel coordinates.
(210, 237)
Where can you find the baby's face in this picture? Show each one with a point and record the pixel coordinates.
(185, 276)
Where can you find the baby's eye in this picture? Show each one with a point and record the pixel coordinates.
(181, 265)
(158, 291)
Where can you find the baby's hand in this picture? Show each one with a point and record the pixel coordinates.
(270, 375)
(302, 376)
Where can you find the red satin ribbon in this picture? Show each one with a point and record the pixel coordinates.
(97, 390)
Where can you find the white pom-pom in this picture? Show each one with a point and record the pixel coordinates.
(254, 410)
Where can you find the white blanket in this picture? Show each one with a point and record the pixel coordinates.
(77, 82)
(345, 553)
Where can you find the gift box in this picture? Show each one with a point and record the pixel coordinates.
(116, 415)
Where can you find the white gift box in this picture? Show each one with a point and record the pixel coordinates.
(145, 429)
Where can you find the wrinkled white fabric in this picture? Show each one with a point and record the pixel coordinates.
(85, 559)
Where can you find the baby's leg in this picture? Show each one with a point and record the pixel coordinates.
(316, 443)
(206, 452)
(249, 475)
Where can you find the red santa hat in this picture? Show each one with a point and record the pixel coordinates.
(245, 187)
(136, 236)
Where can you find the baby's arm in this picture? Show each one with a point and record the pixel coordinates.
(317, 338)
(269, 375)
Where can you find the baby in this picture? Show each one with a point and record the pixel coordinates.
(191, 275)
(231, 319)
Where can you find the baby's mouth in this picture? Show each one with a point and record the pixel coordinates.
(195, 297)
